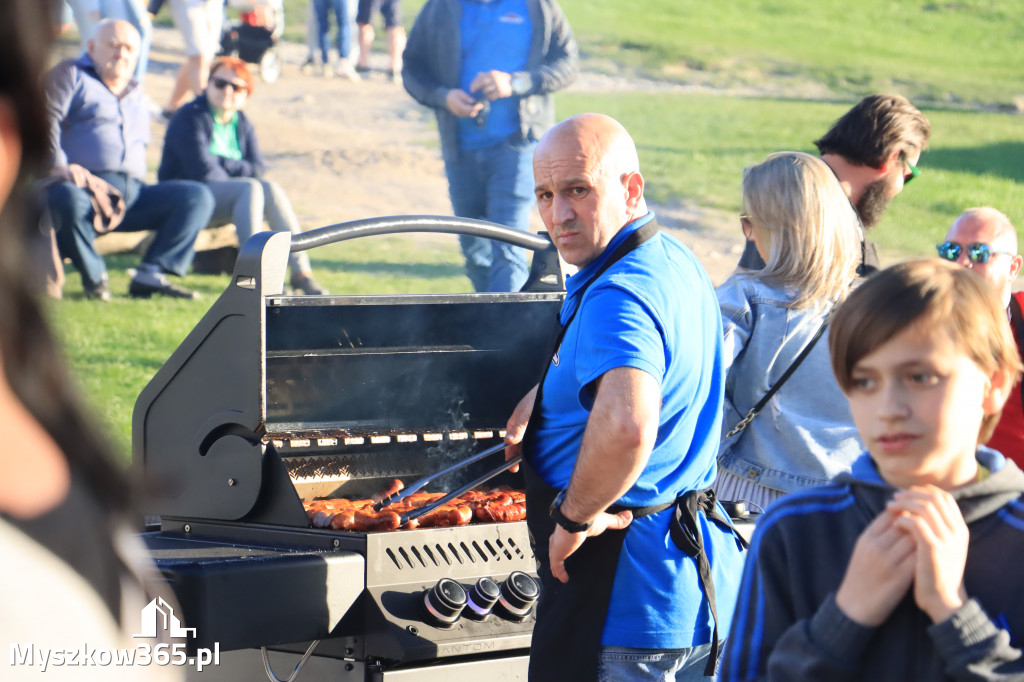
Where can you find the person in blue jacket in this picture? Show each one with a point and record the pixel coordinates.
(211, 140)
(797, 215)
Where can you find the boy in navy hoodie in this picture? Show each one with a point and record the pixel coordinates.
(908, 568)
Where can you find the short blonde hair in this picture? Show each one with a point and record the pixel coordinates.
(937, 296)
(814, 232)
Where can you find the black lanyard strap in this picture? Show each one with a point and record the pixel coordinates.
(639, 236)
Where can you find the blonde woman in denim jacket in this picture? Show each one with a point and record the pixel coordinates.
(796, 213)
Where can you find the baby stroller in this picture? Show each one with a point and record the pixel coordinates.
(254, 38)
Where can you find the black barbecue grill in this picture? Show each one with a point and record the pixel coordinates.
(273, 400)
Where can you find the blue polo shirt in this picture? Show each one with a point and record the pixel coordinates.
(655, 310)
(496, 36)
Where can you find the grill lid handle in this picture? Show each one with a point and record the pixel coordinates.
(369, 227)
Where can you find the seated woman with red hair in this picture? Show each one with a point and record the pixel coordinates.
(212, 141)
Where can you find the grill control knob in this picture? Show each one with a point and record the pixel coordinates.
(482, 598)
(519, 593)
(445, 601)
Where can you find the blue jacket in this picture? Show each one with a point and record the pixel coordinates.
(187, 156)
(91, 126)
(805, 435)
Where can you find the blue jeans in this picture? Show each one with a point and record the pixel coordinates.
(323, 9)
(626, 664)
(494, 184)
(176, 210)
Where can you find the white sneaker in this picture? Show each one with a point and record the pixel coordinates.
(347, 71)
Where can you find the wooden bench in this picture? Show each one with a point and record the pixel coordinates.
(137, 242)
(216, 247)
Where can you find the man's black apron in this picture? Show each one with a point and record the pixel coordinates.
(570, 617)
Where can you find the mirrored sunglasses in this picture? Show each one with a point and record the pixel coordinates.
(977, 253)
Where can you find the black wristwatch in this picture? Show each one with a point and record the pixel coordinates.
(562, 520)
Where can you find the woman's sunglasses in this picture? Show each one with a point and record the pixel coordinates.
(977, 253)
(221, 83)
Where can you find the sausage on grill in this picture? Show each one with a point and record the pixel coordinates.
(447, 515)
(344, 519)
(500, 505)
(369, 520)
(395, 487)
(501, 514)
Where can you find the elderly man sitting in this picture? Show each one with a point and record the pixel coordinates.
(99, 130)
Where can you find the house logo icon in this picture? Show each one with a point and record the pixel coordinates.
(151, 617)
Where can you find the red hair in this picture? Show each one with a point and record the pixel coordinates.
(239, 67)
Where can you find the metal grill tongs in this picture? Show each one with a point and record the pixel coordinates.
(427, 508)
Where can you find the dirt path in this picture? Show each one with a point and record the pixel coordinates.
(345, 151)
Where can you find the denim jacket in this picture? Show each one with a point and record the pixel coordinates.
(805, 434)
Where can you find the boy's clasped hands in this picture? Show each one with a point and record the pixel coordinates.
(920, 542)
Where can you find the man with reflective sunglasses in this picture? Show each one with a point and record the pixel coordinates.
(984, 240)
(873, 149)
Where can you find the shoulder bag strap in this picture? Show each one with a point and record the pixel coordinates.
(756, 409)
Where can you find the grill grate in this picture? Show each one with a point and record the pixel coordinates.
(351, 465)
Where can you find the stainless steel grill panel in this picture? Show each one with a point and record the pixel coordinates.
(461, 552)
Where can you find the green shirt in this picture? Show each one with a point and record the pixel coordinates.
(225, 139)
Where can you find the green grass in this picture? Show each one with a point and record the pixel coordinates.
(944, 52)
(696, 146)
(923, 49)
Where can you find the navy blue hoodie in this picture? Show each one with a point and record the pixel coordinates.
(787, 625)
